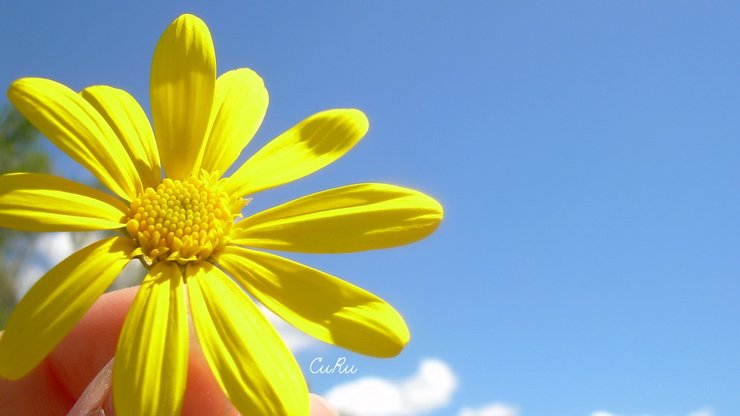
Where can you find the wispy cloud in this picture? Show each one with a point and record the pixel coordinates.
(431, 387)
(701, 412)
(493, 409)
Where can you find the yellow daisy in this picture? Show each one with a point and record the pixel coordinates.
(186, 228)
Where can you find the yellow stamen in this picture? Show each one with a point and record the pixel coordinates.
(182, 220)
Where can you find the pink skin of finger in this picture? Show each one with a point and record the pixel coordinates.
(62, 380)
(96, 401)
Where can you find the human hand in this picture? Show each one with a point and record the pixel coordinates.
(71, 376)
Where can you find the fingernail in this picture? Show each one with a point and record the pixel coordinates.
(96, 396)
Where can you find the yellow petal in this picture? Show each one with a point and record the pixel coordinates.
(239, 106)
(74, 126)
(346, 219)
(38, 202)
(132, 127)
(182, 84)
(150, 368)
(253, 366)
(319, 304)
(56, 302)
(305, 148)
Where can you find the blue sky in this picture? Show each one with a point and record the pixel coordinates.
(586, 154)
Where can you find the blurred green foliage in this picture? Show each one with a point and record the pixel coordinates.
(20, 151)
(19, 144)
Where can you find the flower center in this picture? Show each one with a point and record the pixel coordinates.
(182, 220)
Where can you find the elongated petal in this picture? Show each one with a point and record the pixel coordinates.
(245, 353)
(38, 202)
(150, 368)
(319, 304)
(56, 302)
(305, 148)
(341, 220)
(74, 126)
(132, 127)
(238, 109)
(182, 84)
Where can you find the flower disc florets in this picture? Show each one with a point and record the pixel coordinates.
(182, 220)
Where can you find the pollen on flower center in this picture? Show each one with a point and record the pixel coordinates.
(182, 220)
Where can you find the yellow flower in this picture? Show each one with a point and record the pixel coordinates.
(186, 229)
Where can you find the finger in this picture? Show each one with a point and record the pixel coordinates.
(54, 385)
(95, 396)
(92, 342)
(204, 399)
(62, 378)
(320, 407)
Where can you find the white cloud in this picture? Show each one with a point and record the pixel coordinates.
(701, 412)
(494, 409)
(48, 250)
(430, 388)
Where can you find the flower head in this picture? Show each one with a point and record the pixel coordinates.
(174, 211)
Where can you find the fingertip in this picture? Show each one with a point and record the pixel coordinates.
(320, 407)
(63, 376)
(92, 342)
